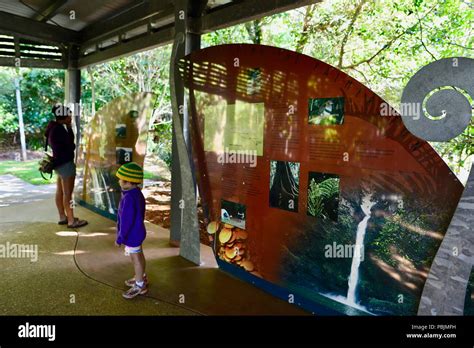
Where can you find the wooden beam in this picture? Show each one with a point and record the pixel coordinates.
(28, 47)
(134, 45)
(166, 14)
(28, 28)
(40, 56)
(133, 18)
(48, 11)
(243, 12)
(8, 47)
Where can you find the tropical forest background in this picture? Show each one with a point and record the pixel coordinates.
(381, 43)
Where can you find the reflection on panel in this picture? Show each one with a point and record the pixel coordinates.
(117, 134)
(338, 205)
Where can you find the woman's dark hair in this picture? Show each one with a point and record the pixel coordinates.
(61, 111)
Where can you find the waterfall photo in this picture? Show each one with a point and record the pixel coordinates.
(397, 232)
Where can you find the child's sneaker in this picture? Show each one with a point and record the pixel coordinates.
(131, 282)
(135, 290)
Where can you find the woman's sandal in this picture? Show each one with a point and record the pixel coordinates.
(62, 222)
(77, 223)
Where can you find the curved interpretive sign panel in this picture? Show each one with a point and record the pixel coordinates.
(313, 188)
(117, 135)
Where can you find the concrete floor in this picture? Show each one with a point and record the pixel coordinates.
(12, 191)
(87, 278)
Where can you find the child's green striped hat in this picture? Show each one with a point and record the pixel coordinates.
(131, 172)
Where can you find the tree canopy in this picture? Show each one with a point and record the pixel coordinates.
(380, 43)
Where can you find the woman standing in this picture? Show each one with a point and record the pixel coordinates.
(60, 137)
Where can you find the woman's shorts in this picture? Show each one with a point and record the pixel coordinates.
(66, 170)
(132, 250)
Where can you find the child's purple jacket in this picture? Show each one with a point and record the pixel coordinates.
(130, 218)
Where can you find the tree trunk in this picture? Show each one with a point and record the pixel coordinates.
(254, 29)
(304, 35)
(284, 191)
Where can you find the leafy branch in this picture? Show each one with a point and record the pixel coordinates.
(304, 37)
(388, 44)
(349, 31)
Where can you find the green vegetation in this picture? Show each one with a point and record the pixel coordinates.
(150, 175)
(380, 43)
(320, 196)
(161, 144)
(27, 171)
(469, 301)
(40, 90)
(305, 265)
(398, 252)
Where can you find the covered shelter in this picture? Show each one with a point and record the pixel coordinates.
(72, 35)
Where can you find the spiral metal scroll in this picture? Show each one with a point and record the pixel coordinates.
(440, 92)
(434, 102)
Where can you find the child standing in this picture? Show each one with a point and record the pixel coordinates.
(131, 227)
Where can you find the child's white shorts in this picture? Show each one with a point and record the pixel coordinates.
(132, 250)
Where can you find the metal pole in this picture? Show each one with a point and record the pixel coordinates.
(72, 95)
(20, 119)
(72, 98)
(89, 70)
(184, 229)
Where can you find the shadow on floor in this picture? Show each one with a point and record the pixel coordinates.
(177, 287)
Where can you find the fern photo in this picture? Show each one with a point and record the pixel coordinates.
(323, 195)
